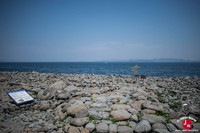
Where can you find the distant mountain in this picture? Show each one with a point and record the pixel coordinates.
(152, 60)
(162, 60)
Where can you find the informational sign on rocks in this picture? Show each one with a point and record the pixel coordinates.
(20, 96)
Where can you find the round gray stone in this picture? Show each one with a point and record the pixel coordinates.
(90, 127)
(143, 126)
(102, 128)
(125, 129)
(158, 126)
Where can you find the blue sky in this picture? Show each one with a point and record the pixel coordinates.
(93, 30)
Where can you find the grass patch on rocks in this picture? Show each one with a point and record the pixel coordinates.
(125, 103)
(33, 94)
(110, 119)
(175, 104)
(160, 98)
(149, 98)
(118, 100)
(138, 115)
(91, 118)
(170, 93)
(110, 111)
(198, 121)
(54, 122)
(127, 125)
(63, 119)
(164, 114)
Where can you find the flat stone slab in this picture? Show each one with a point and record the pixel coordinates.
(120, 114)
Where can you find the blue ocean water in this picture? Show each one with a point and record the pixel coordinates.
(149, 69)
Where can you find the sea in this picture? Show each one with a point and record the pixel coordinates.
(164, 69)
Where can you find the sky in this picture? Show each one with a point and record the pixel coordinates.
(95, 30)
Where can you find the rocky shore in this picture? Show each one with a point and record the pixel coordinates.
(83, 103)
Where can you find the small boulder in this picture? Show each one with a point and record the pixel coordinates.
(112, 128)
(161, 131)
(57, 86)
(178, 124)
(125, 129)
(64, 96)
(143, 126)
(134, 118)
(158, 126)
(120, 106)
(83, 130)
(148, 111)
(90, 127)
(194, 110)
(97, 115)
(73, 130)
(102, 128)
(153, 118)
(79, 121)
(171, 127)
(132, 124)
(44, 107)
(79, 111)
(120, 114)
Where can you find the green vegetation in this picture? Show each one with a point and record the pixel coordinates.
(33, 94)
(134, 99)
(125, 125)
(138, 115)
(63, 119)
(54, 122)
(170, 93)
(149, 98)
(118, 100)
(158, 94)
(91, 117)
(91, 106)
(110, 119)
(198, 121)
(160, 98)
(110, 111)
(164, 114)
(97, 111)
(175, 104)
(125, 103)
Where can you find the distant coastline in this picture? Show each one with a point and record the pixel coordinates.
(152, 60)
(111, 60)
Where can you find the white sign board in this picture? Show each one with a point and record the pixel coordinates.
(20, 96)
